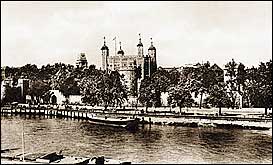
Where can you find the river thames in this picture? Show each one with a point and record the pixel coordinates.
(155, 144)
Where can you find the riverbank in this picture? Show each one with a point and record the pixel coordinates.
(189, 118)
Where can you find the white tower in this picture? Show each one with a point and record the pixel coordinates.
(140, 47)
(105, 54)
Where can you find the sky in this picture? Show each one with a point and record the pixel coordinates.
(183, 33)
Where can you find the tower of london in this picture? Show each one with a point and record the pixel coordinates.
(128, 65)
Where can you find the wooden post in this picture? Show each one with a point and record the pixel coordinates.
(23, 144)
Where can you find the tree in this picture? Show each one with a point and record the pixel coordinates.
(160, 80)
(103, 88)
(241, 76)
(258, 88)
(30, 72)
(11, 94)
(89, 90)
(174, 76)
(231, 72)
(134, 84)
(69, 87)
(203, 77)
(219, 96)
(146, 93)
(118, 90)
(267, 86)
(37, 89)
(241, 80)
(180, 94)
(263, 91)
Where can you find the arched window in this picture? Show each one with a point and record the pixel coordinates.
(54, 99)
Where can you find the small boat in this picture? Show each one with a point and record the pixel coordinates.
(54, 158)
(40, 158)
(130, 124)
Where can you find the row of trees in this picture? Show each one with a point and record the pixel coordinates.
(253, 85)
(100, 88)
(96, 86)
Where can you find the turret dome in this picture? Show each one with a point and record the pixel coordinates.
(104, 47)
(152, 46)
(120, 50)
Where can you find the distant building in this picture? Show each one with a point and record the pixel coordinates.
(20, 88)
(82, 61)
(219, 72)
(3, 73)
(24, 86)
(127, 64)
(75, 99)
(57, 97)
(173, 68)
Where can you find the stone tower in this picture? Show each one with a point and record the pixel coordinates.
(105, 54)
(140, 47)
(82, 61)
(3, 73)
(120, 52)
(152, 55)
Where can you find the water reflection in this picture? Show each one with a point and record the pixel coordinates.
(156, 144)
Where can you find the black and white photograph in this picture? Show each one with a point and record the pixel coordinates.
(136, 82)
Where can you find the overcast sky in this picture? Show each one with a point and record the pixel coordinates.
(183, 32)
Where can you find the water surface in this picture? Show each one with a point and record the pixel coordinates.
(155, 144)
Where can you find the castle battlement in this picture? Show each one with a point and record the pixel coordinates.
(126, 64)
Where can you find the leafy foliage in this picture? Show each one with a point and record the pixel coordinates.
(103, 88)
(180, 94)
(219, 96)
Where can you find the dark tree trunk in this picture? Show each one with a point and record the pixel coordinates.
(180, 107)
(233, 103)
(265, 112)
(220, 113)
(200, 105)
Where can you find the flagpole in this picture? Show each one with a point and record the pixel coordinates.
(115, 53)
(115, 46)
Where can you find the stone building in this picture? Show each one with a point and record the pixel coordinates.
(127, 64)
(82, 61)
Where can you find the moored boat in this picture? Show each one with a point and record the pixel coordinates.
(40, 158)
(130, 124)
